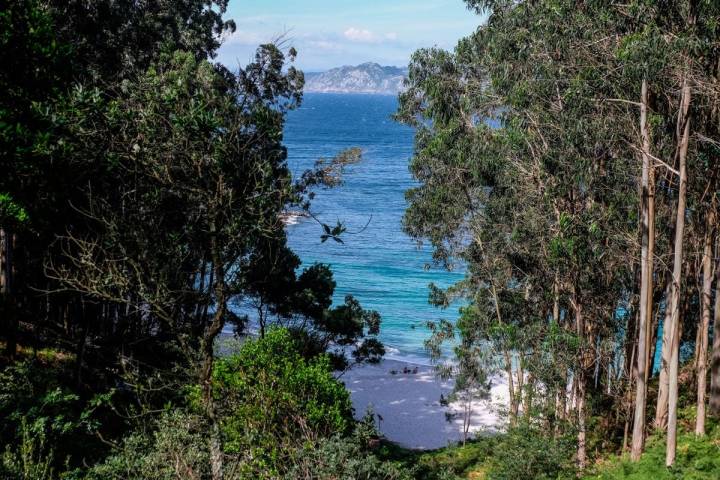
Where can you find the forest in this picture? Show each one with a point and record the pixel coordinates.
(567, 160)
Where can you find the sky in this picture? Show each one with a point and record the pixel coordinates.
(332, 33)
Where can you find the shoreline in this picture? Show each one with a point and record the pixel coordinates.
(405, 394)
(408, 408)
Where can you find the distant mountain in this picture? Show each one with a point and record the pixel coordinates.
(366, 78)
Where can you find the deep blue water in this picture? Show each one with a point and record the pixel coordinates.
(381, 266)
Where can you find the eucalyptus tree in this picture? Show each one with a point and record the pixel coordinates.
(525, 203)
(556, 210)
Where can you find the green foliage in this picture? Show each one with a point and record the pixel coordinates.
(299, 444)
(527, 451)
(35, 403)
(27, 458)
(174, 447)
(523, 452)
(139, 180)
(457, 461)
(697, 459)
(272, 400)
(11, 211)
(348, 458)
(527, 157)
(303, 303)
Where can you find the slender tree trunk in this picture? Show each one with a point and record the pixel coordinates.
(529, 394)
(627, 397)
(4, 261)
(581, 438)
(6, 289)
(662, 399)
(520, 383)
(626, 428)
(581, 386)
(715, 361)
(653, 342)
(562, 390)
(696, 350)
(211, 333)
(467, 420)
(650, 333)
(82, 340)
(704, 324)
(674, 366)
(646, 289)
(511, 388)
(514, 405)
(201, 291)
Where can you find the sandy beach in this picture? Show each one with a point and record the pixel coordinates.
(409, 404)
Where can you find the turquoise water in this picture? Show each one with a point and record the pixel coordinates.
(379, 265)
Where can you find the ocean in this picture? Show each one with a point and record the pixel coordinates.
(378, 264)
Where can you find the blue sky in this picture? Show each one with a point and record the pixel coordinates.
(331, 33)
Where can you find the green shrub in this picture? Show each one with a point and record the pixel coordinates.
(34, 401)
(347, 458)
(177, 447)
(343, 458)
(28, 458)
(456, 461)
(271, 401)
(527, 452)
(697, 459)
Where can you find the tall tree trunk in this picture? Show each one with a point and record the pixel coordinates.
(211, 333)
(514, 406)
(562, 390)
(7, 241)
(512, 390)
(646, 288)
(662, 398)
(715, 361)
(650, 333)
(581, 385)
(4, 261)
(674, 366)
(529, 395)
(581, 438)
(653, 336)
(704, 324)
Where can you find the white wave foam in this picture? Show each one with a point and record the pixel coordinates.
(292, 217)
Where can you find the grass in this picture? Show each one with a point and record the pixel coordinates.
(464, 461)
(698, 458)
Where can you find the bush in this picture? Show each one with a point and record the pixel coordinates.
(343, 458)
(271, 401)
(457, 461)
(347, 458)
(176, 448)
(525, 451)
(28, 459)
(34, 402)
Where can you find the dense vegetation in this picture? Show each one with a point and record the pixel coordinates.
(143, 193)
(567, 154)
(567, 158)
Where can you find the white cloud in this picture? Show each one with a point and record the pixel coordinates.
(325, 45)
(242, 37)
(360, 35)
(391, 36)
